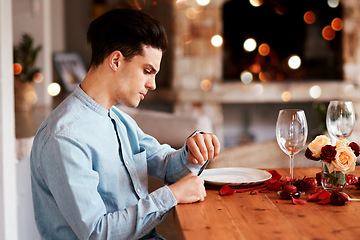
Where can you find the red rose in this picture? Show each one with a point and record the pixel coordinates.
(328, 153)
(308, 154)
(355, 148)
(310, 183)
(338, 198)
(305, 183)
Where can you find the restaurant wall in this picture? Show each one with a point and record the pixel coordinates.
(44, 21)
(242, 124)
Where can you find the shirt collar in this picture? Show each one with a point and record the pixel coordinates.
(88, 101)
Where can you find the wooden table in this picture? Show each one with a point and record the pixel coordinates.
(267, 216)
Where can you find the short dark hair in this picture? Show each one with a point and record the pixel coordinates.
(125, 30)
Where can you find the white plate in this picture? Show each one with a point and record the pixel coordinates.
(236, 176)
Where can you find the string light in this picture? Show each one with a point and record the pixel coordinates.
(333, 3)
(191, 13)
(294, 62)
(249, 44)
(328, 33)
(217, 41)
(263, 76)
(17, 68)
(256, 3)
(315, 91)
(246, 77)
(286, 96)
(258, 89)
(205, 85)
(264, 49)
(203, 2)
(255, 68)
(337, 24)
(309, 17)
(53, 89)
(38, 77)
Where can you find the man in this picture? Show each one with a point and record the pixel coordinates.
(90, 161)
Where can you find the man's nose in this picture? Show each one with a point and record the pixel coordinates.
(151, 84)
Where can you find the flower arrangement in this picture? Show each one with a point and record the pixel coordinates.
(25, 55)
(338, 160)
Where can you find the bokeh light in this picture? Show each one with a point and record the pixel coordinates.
(258, 89)
(205, 85)
(328, 33)
(315, 91)
(337, 24)
(349, 88)
(203, 2)
(255, 68)
(17, 68)
(191, 13)
(309, 17)
(217, 41)
(286, 96)
(256, 3)
(250, 44)
(263, 76)
(246, 77)
(53, 89)
(38, 77)
(279, 9)
(294, 62)
(333, 3)
(30, 94)
(264, 49)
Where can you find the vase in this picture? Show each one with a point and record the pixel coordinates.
(25, 95)
(335, 180)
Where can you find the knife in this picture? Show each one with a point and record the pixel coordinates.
(203, 167)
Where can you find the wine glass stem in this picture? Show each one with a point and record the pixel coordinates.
(291, 167)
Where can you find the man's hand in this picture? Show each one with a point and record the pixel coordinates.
(189, 189)
(202, 147)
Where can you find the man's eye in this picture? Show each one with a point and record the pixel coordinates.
(146, 71)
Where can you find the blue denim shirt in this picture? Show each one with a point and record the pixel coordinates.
(89, 174)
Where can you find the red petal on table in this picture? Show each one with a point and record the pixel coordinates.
(325, 201)
(275, 174)
(324, 194)
(226, 190)
(314, 197)
(274, 186)
(298, 201)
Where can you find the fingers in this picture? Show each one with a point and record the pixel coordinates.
(202, 147)
(189, 189)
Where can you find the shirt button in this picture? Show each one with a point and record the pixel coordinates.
(127, 163)
(138, 190)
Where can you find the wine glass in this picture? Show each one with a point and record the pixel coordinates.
(340, 119)
(291, 133)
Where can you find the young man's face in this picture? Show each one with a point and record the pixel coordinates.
(137, 76)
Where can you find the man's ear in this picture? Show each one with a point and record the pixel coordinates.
(114, 60)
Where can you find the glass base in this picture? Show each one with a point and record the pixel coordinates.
(335, 180)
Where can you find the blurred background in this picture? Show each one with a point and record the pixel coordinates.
(237, 62)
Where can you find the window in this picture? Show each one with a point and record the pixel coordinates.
(309, 30)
